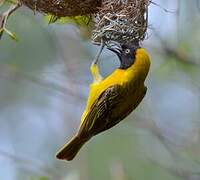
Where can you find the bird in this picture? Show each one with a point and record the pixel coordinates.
(113, 98)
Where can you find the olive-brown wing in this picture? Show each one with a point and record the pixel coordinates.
(100, 114)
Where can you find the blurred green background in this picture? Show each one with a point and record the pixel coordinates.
(44, 80)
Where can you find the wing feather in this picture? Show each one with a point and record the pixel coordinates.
(113, 105)
(98, 117)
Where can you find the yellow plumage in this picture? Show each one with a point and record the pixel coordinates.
(111, 99)
(119, 76)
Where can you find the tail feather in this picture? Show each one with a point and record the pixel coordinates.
(69, 151)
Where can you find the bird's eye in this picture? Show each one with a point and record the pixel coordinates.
(127, 51)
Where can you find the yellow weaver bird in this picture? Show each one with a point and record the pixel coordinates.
(111, 99)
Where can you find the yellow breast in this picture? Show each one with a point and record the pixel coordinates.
(96, 88)
(119, 77)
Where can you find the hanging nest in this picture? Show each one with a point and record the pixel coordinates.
(63, 8)
(116, 21)
(121, 21)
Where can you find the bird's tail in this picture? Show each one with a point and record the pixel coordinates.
(69, 151)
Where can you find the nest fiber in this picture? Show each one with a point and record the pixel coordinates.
(121, 21)
(62, 8)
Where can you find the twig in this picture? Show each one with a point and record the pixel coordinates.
(164, 9)
(4, 17)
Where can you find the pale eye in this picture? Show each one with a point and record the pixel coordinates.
(127, 51)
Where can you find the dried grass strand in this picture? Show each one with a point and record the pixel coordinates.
(121, 21)
(63, 8)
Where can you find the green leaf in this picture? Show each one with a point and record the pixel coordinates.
(12, 35)
(77, 20)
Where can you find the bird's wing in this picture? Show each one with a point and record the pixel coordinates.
(97, 118)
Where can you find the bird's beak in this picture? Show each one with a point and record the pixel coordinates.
(117, 51)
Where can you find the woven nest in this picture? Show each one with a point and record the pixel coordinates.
(62, 8)
(116, 21)
(121, 21)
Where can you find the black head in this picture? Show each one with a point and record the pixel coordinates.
(126, 54)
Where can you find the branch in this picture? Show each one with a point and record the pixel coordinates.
(4, 17)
